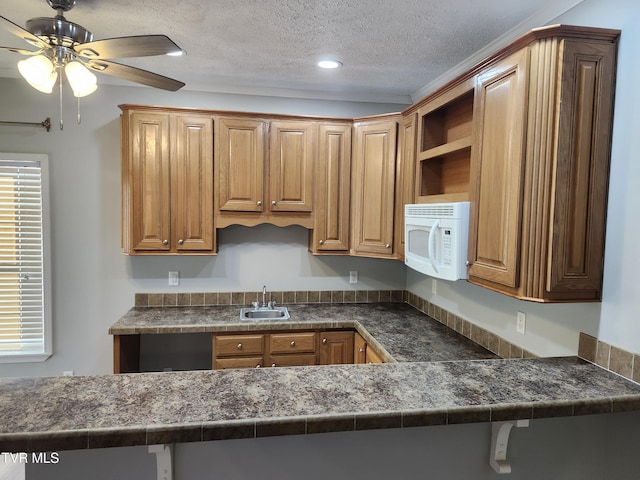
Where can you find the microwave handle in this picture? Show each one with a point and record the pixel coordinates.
(432, 244)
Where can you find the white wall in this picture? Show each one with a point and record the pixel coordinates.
(554, 329)
(93, 283)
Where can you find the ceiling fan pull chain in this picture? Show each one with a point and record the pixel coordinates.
(79, 119)
(61, 121)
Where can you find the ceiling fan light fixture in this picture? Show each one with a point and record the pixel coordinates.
(329, 64)
(39, 72)
(81, 80)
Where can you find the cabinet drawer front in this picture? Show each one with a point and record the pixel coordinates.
(238, 345)
(293, 342)
(238, 362)
(292, 360)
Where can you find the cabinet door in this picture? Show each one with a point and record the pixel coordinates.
(497, 171)
(291, 159)
(192, 183)
(373, 188)
(336, 347)
(240, 157)
(146, 183)
(578, 219)
(333, 177)
(405, 168)
(359, 349)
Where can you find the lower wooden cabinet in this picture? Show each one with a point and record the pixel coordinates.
(363, 352)
(282, 349)
(336, 348)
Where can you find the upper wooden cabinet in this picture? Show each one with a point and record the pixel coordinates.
(264, 171)
(330, 233)
(373, 186)
(540, 167)
(405, 174)
(167, 182)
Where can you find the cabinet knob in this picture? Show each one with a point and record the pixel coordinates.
(259, 203)
(273, 364)
(388, 245)
(468, 263)
(274, 203)
(293, 344)
(165, 242)
(258, 366)
(239, 346)
(180, 242)
(324, 340)
(321, 242)
(361, 350)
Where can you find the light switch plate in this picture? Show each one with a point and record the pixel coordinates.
(353, 276)
(174, 279)
(521, 321)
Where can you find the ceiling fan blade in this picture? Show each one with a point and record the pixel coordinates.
(126, 47)
(22, 51)
(20, 32)
(134, 74)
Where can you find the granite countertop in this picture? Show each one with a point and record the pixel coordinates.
(58, 413)
(399, 332)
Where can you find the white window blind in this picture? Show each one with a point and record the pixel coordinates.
(24, 323)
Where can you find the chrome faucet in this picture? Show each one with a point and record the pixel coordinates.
(264, 296)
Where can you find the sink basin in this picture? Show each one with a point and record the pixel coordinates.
(279, 313)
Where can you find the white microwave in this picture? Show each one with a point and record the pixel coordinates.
(436, 239)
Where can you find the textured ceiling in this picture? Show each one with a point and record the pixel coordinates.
(390, 49)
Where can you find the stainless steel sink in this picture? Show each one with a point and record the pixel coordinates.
(265, 313)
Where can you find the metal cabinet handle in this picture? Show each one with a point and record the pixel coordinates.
(324, 340)
(258, 366)
(388, 245)
(259, 203)
(165, 242)
(273, 365)
(180, 242)
(274, 203)
(293, 344)
(468, 263)
(239, 346)
(361, 350)
(321, 242)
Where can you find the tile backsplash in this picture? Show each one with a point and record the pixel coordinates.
(609, 357)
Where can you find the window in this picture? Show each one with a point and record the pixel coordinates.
(25, 326)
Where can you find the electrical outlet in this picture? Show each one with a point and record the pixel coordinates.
(521, 321)
(434, 286)
(68, 373)
(174, 279)
(353, 276)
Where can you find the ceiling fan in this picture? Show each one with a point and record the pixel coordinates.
(63, 45)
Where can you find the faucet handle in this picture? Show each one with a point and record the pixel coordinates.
(272, 303)
(256, 305)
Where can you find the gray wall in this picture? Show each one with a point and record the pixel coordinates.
(596, 447)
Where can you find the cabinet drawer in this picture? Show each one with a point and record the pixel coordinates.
(237, 362)
(238, 345)
(292, 360)
(293, 342)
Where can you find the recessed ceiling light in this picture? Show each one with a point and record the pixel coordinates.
(329, 64)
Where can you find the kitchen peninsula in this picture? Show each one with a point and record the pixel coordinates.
(42, 414)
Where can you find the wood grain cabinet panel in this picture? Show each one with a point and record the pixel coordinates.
(373, 187)
(167, 183)
(336, 348)
(332, 190)
(240, 154)
(540, 167)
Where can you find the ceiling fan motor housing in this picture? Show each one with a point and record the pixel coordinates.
(64, 5)
(58, 31)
